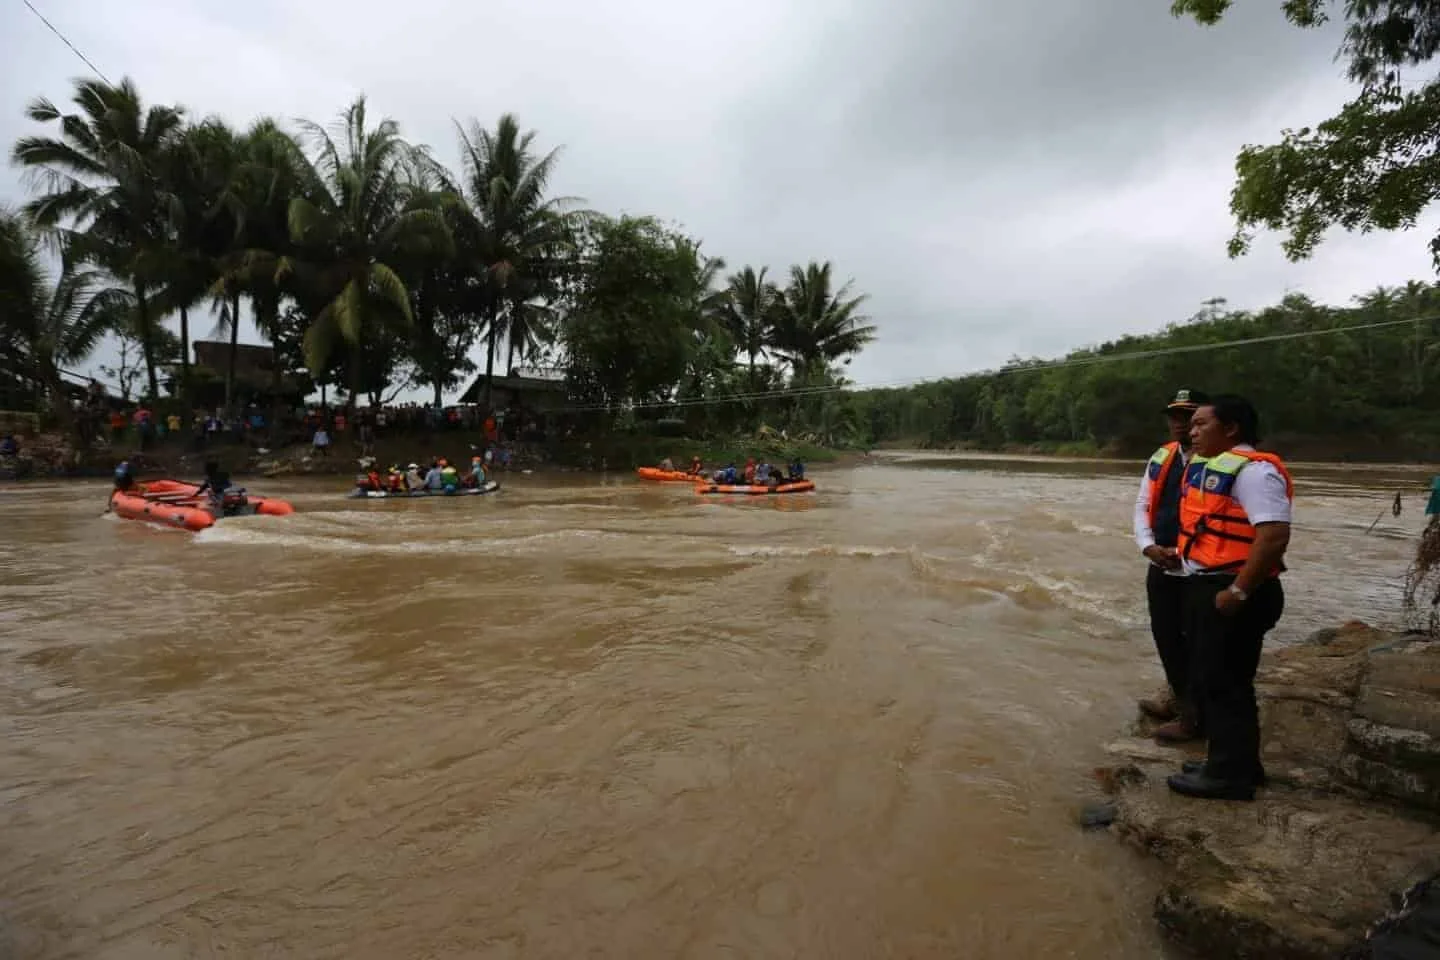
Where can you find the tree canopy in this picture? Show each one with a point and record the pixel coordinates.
(370, 266)
(1372, 166)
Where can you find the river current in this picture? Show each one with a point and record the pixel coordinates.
(593, 717)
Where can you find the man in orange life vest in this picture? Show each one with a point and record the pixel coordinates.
(1235, 509)
(1157, 533)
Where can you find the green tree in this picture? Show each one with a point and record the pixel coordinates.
(630, 324)
(351, 226)
(102, 181)
(815, 325)
(51, 322)
(515, 238)
(749, 312)
(1369, 167)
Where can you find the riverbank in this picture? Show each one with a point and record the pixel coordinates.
(47, 456)
(1351, 742)
(1294, 447)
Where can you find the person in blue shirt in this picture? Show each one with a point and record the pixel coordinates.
(124, 476)
(433, 479)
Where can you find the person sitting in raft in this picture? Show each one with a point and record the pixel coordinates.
(449, 478)
(414, 480)
(750, 470)
(475, 479)
(667, 465)
(728, 476)
(762, 473)
(696, 467)
(432, 479)
(395, 480)
(797, 470)
(215, 484)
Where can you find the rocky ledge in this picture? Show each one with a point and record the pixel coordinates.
(1335, 857)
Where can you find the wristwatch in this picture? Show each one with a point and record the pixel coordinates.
(1239, 594)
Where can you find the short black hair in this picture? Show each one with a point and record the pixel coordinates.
(1233, 410)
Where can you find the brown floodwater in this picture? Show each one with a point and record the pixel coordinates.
(591, 717)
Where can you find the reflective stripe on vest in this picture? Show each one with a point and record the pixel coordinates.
(1215, 533)
(1157, 473)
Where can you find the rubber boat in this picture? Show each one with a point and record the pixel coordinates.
(490, 486)
(174, 503)
(756, 489)
(666, 476)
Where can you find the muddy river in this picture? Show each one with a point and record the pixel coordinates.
(588, 717)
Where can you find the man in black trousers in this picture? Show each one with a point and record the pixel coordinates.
(1235, 511)
(1157, 532)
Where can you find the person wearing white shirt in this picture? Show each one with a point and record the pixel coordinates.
(1235, 513)
(1157, 532)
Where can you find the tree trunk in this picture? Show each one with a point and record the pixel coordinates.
(354, 378)
(147, 342)
(437, 391)
(185, 355)
(490, 359)
(234, 352)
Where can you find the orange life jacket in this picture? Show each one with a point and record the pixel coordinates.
(1215, 533)
(1162, 461)
(397, 483)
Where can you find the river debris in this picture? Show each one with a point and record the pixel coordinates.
(1351, 743)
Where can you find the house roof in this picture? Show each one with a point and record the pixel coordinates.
(215, 354)
(550, 382)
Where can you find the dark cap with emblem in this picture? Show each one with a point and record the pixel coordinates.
(1186, 401)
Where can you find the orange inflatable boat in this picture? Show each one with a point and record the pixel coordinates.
(667, 476)
(756, 489)
(174, 503)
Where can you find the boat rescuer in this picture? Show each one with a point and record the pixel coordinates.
(215, 483)
(1235, 511)
(1157, 532)
(124, 477)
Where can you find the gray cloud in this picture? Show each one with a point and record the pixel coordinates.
(1002, 178)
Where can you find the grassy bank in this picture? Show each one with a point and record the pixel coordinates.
(616, 452)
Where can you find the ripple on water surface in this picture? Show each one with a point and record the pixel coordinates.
(594, 717)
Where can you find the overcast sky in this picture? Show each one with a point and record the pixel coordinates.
(1001, 178)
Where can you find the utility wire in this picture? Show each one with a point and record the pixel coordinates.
(63, 39)
(1023, 367)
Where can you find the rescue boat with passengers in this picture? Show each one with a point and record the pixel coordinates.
(755, 489)
(490, 486)
(175, 503)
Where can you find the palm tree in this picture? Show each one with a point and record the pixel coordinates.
(101, 177)
(267, 172)
(514, 238)
(749, 311)
(813, 326)
(352, 225)
(200, 165)
(51, 322)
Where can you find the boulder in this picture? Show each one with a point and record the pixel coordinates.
(1351, 740)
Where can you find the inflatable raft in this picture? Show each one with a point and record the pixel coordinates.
(174, 503)
(755, 489)
(668, 476)
(490, 486)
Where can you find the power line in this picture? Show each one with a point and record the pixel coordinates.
(1001, 371)
(63, 39)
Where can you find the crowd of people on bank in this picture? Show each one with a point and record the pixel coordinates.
(1213, 519)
